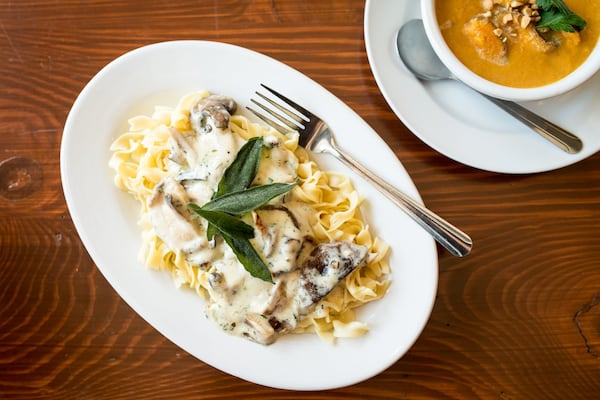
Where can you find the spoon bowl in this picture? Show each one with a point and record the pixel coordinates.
(419, 57)
(417, 54)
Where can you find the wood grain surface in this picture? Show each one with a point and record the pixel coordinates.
(519, 318)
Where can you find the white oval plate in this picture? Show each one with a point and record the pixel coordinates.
(459, 123)
(106, 218)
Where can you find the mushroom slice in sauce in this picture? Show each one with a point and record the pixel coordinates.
(262, 312)
(182, 150)
(279, 236)
(297, 292)
(168, 220)
(259, 329)
(172, 222)
(212, 112)
(326, 266)
(277, 299)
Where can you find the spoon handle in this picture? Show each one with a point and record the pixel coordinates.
(550, 131)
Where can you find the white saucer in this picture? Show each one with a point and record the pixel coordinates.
(459, 123)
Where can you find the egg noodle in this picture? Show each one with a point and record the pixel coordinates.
(140, 157)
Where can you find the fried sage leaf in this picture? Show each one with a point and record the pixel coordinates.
(240, 174)
(225, 223)
(250, 259)
(243, 201)
(234, 198)
(242, 171)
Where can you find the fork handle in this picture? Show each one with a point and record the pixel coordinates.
(454, 240)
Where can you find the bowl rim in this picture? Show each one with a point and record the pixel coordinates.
(577, 77)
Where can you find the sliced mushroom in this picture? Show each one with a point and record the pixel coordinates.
(182, 150)
(174, 228)
(289, 248)
(278, 296)
(212, 112)
(259, 329)
(172, 222)
(279, 236)
(266, 235)
(325, 268)
(186, 156)
(216, 281)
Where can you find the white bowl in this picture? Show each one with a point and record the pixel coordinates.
(464, 74)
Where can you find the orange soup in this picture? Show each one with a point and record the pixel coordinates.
(499, 40)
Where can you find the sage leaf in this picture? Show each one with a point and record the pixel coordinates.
(211, 231)
(225, 223)
(242, 171)
(240, 202)
(249, 258)
(232, 198)
(236, 234)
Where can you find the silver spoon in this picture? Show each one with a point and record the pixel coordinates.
(418, 56)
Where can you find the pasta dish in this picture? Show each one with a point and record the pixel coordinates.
(238, 212)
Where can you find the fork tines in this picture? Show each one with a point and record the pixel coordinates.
(292, 117)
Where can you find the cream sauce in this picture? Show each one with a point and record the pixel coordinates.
(239, 303)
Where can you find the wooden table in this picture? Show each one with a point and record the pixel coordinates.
(519, 318)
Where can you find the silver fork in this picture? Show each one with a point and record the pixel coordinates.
(316, 136)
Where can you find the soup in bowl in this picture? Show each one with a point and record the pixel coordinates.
(516, 49)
